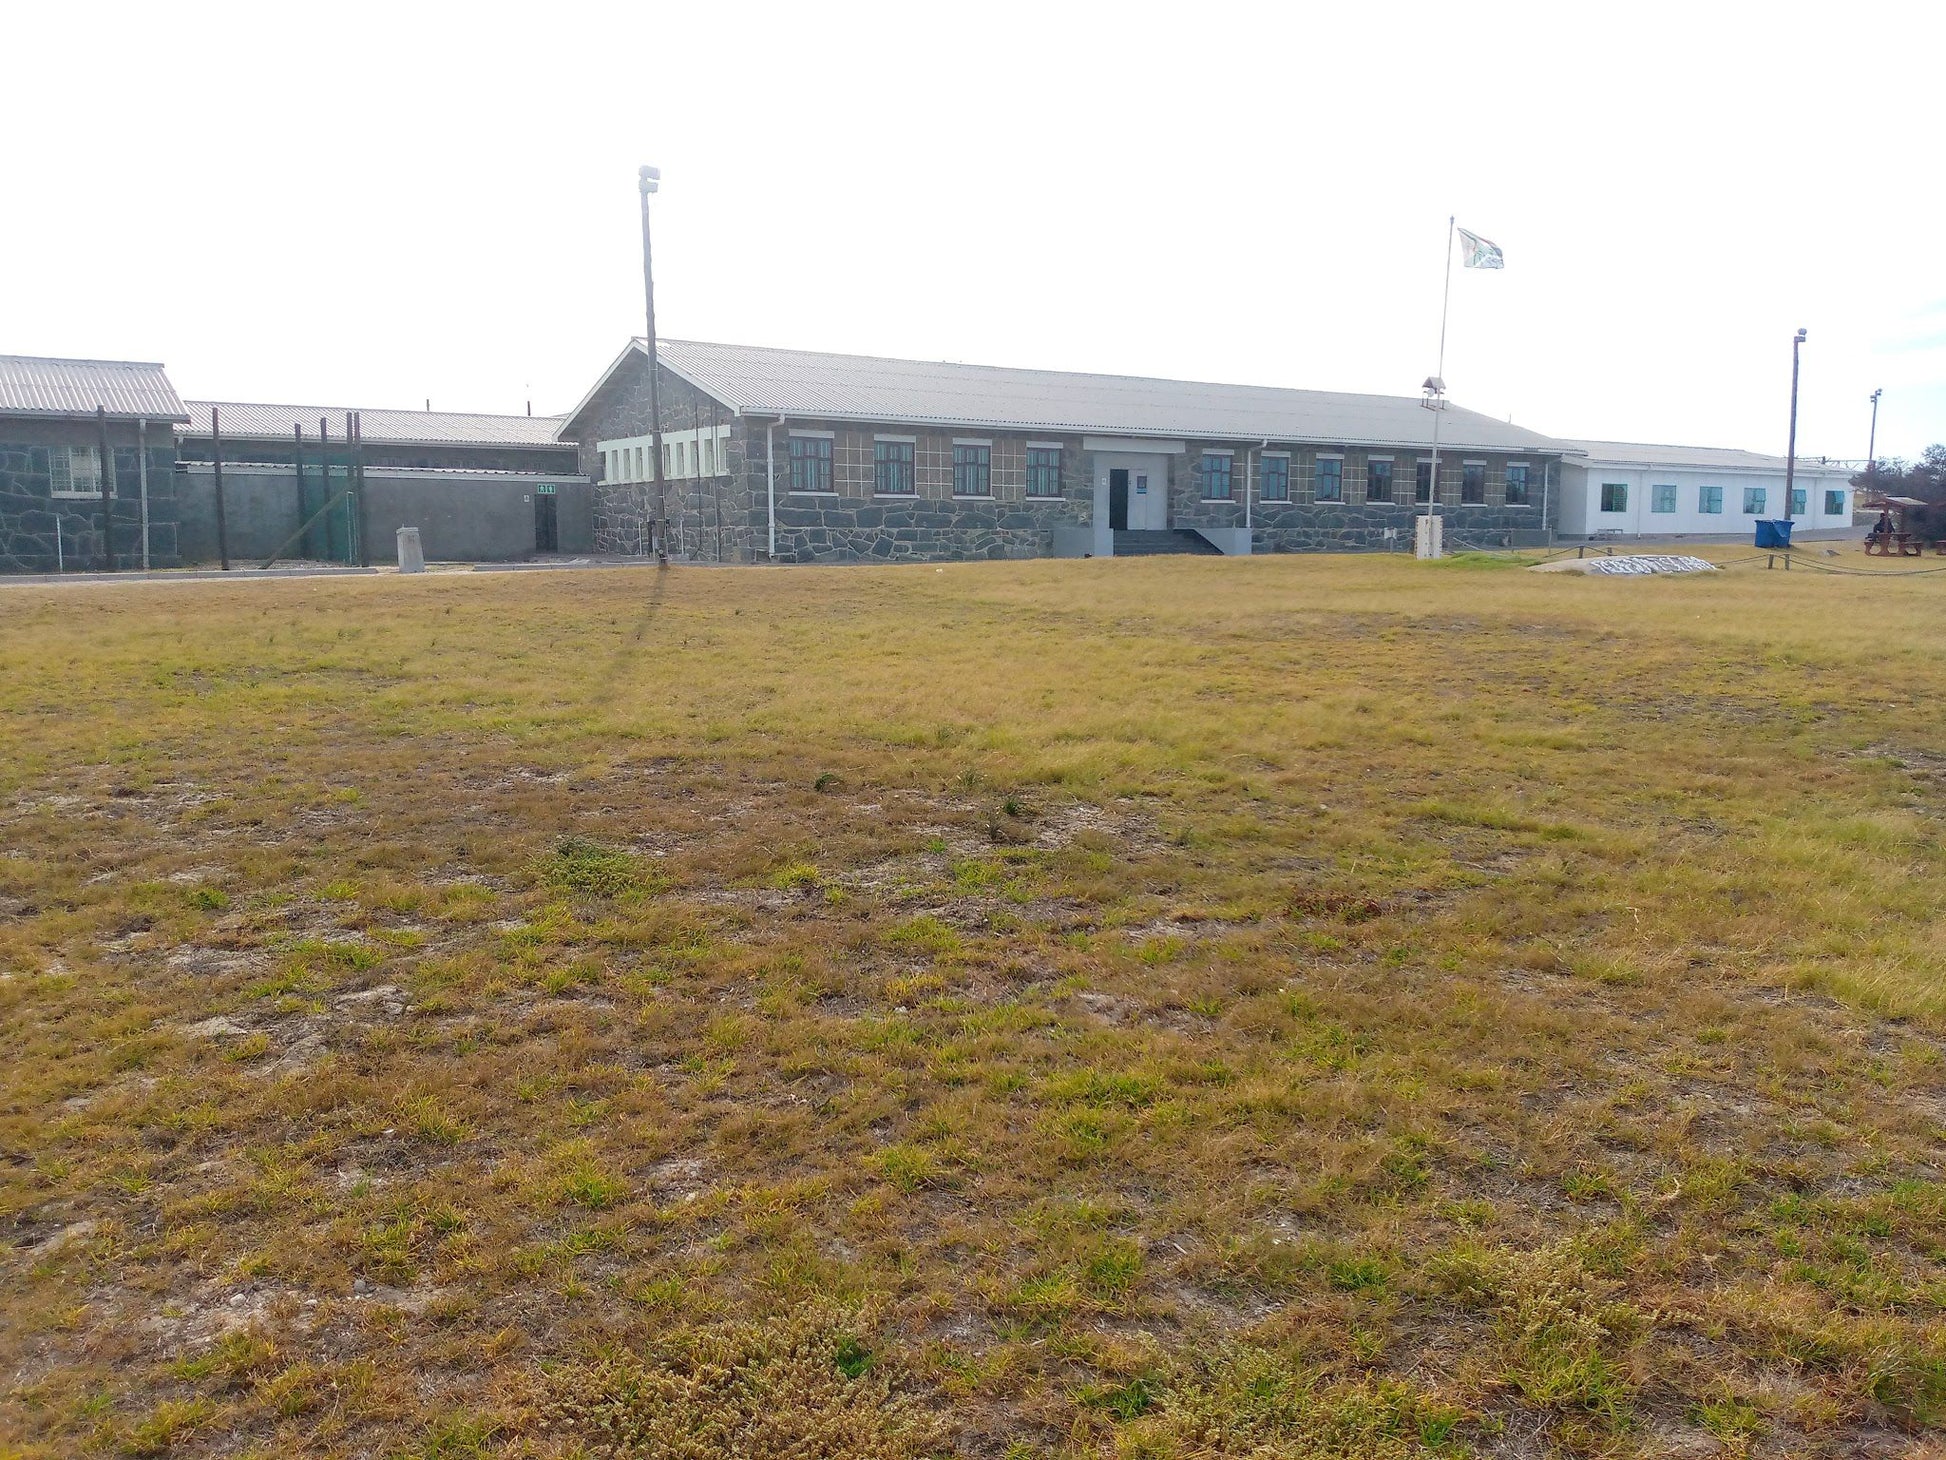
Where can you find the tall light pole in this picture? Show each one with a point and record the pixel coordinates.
(1790, 460)
(1871, 450)
(650, 177)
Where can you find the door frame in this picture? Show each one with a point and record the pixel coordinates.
(1154, 465)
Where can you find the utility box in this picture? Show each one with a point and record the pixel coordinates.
(412, 558)
(1429, 536)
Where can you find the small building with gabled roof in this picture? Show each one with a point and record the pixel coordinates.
(1641, 489)
(803, 456)
(87, 458)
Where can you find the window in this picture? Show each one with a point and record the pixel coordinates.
(1043, 471)
(1330, 479)
(1422, 481)
(76, 471)
(892, 468)
(1798, 505)
(1709, 499)
(972, 470)
(1473, 483)
(1662, 498)
(1215, 472)
(1754, 499)
(1517, 484)
(1378, 479)
(1274, 479)
(810, 463)
(1834, 504)
(1614, 496)
(708, 467)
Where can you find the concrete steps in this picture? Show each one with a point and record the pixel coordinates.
(1153, 543)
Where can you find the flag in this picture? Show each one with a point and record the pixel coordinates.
(1480, 254)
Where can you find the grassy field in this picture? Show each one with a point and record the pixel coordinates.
(1285, 1007)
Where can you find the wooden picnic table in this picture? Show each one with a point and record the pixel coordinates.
(1909, 545)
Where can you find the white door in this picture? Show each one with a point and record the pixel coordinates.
(1137, 485)
(1148, 498)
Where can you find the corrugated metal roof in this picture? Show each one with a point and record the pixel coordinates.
(243, 419)
(1701, 458)
(128, 390)
(868, 388)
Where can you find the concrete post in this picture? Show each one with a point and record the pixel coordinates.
(1428, 537)
(412, 558)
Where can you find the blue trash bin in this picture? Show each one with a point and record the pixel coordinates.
(1772, 533)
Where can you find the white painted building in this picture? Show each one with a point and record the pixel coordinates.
(1626, 489)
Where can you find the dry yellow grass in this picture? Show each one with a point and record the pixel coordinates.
(1170, 1008)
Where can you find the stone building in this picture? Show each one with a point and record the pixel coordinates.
(54, 512)
(798, 456)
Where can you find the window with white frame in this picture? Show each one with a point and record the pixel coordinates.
(1473, 484)
(1614, 496)
(810, 463)
(1329, 479)
(1378, 479)
(1274, 477)
(1754, 500)
(1662, 497)
(1043, 470)
(1215, 468)
(1517, 485)
(892, 461)
(972, 469)
(1709, 500)
(76, 470)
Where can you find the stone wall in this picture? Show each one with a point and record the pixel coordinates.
(40, 532)
(709, 518)
(1360, 522)
(854, 523)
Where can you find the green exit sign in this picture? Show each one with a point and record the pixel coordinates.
(546, 489)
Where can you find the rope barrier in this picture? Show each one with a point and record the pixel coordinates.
(1815, 566)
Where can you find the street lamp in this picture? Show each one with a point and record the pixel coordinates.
(650, 179)
(1871, 450)
(1790, 460)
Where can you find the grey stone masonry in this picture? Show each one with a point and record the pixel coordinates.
(708, 517)
(1360, 518)
(40, 532)
(724, 517)
(855, 522)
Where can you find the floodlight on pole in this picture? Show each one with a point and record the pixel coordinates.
(649, 180)
(1790, 458)
(1871, 448)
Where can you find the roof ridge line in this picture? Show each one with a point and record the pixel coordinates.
(661, 340)
(81, 360)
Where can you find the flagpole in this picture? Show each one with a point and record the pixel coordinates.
(1446, 300)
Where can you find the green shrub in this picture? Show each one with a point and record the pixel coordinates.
(589, 869)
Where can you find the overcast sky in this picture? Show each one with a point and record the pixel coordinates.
(376, 204)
